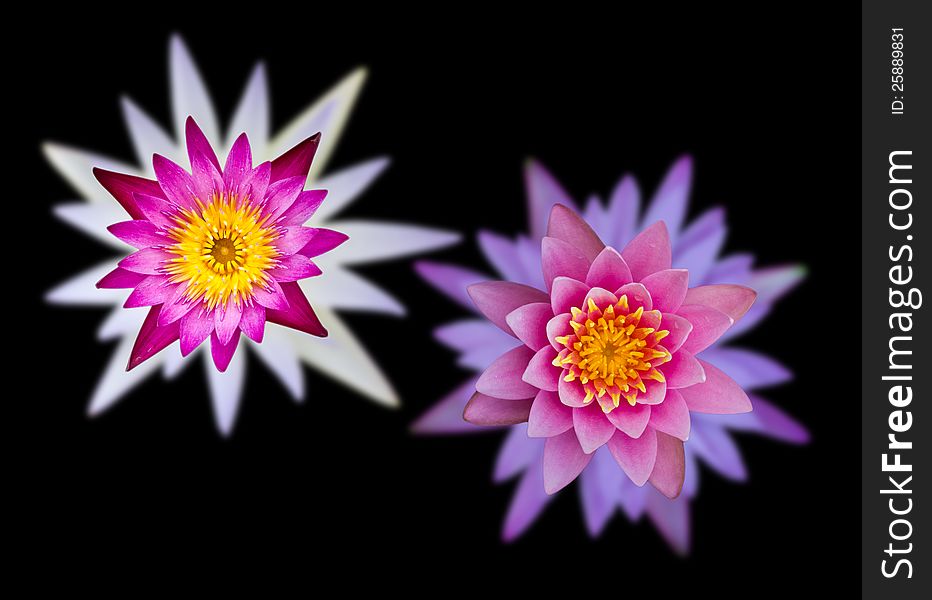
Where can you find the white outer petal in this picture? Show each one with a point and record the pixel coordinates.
(252, 114)
(122, 322)
(93, 219)
(342, 289)
(175, 363)
(346, 184)
(328, 116)
(188, 93)
(81, 289)
(371, 241)
(116, 381)
(148, 136)
(226, 390)
(278, 354)
(340, 356)
(77, 166)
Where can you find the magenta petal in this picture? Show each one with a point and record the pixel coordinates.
(670, 466)
(299, 314)
(566, 225)
(558, 327)
(120, 278)
(529, 323)
(176, 307)
(733, 300)
(226, 321)
(548, 416)
(631, 419)
(153, 290)
(222, 353)
(667, 288)
(157, 210)
(197, 143)
(148, 261)
(656, 392)
(270, 295)
(239, 163)
(635, 456)
(196, 326)
(567, 293)
(683, 370)
(256, 183)
(592, 427)
(671, 416)
(123, 187)
(540, 371)
(296, 161)
(303, 207)
(719, 394)
(324, 240)
(679, 329)
(708, 325)
(177, 185)
(608, 270)
(489, 411)
(139, 234)
(252, 322)
(638, 296)
(503, 377)
(649, 252)
(601, 297)
(293, 268)
(281, 195)
(151, 339)
(293, 239)
(495, 299)
(564, 460)
(560, 258)
(207, 179)
(571, 393)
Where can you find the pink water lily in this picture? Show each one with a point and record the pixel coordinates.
(220, 248)
(608, 354)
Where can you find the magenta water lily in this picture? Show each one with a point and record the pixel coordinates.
(608, 355)
(220, 248)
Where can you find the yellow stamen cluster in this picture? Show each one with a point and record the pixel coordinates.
(223, 250)
(612, 351)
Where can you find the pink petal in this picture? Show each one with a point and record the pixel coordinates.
(149, 261)
(495, 299)
(671, 416)
(151, 339)
(679, 329)
(608, 270)
(683, 370)
(196, 326)
(239, 163)
(303, 207)
(667, 288)
(177, 185)
(571, 393)
(631, 419)
(197, 143)
(638, 296)
(207, 179)
(602, 298)
(670, 466)
(123, 187)
(558, 327)
(222, 353)
(548, 416)
(139, 234)
(485, 410)
(293, 239)
(635, 456)
(298, 315)
(708, 325)
(153, 290)
(270, 296)
(567, 293)
(529, 323)
(256, 183)
(564, 460)
(156, 210)
(226, 321)
(733, 300)
(649, 252)
(252, 323)
(120, 278)
(719, 394)
(656, 392)
(281, 195)
(176, 307)
(540, 371)
(503, 377)
(566, 225)
(324, 240)
(592, 427)
(293, 268)
(560, 258)
(296, 161)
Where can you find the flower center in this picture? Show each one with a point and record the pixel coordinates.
(223, 250)
(612, 351)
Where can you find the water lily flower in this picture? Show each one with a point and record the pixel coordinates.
(604, 488)
(340, 355)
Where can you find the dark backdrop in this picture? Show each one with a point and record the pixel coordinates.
(767, 104)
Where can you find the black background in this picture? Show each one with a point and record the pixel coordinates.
(766, 102)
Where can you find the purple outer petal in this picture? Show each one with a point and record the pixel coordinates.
(543, 191)
(151, 338)
(517, 453)
(671, 518)
(623, 207)
(451, 280)
(669, 202)
(599, 487)
(769, 420)
(700, 244)
(527, 503)
(718, 450)
(446, 415)
(750, 370)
